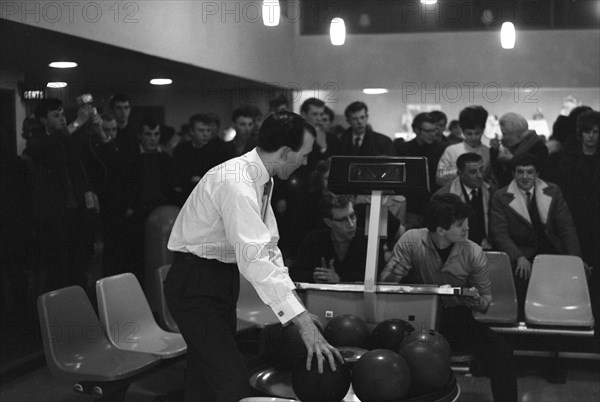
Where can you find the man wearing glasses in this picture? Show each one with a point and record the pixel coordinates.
(337, 252)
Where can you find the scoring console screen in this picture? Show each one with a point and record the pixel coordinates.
(377, 173)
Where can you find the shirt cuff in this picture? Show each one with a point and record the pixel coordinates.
(287, 309)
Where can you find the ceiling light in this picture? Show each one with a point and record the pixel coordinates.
(375, 91)
(271, 12)
(426, 2)
(161, 81)
(508, 35)
(337, 31)
(63, 64)
(56, 85)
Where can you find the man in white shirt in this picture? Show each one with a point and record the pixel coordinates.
(472, 121)
(227, 227)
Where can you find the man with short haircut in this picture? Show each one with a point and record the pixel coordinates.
(145, 187)
(455, 135)
(227, 227)
(336, 253)
(279, 104)
(440, 254)
(530, 217)
(62, 197)
(359, 138)
(472, 121)
(473, 190)
(424, 144)
(242, 120)
(327, 119)
(440, 120)
(120, 105)
(191, 160)
(517, 140)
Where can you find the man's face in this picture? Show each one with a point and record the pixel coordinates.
(458, 231)
(314, 115)
(358, 121)
(426, 133)
(472, 174)
(121, 111)
(149, 138)
(509, 139)
(473, 136)
(55, 120)
(201, 133)
(441, 126)
(292, 160)
(590, 138)
(243, 126)
(525, 177)
(110, 127)
(342, 223)
(456, 131)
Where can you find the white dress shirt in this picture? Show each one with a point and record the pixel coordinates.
(221, 219)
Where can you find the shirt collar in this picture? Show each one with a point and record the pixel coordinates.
(256, 170)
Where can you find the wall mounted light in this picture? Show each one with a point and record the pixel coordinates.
(161, 81)
(337, 31)
(508, 35)
(56, 85)
(271, 11)
(375, 91)
(62, 64)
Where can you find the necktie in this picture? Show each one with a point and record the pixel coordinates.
(528, 194)
(473, 196)
(265, 198)
(356, 144)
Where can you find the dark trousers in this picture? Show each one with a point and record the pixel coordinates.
(202, 297)
(461, 330)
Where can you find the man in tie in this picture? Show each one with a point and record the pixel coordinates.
(359, 138)
(227, 227)
(530, 217)
(472, 189)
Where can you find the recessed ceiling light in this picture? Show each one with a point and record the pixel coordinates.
(161, 81)
(63, 64)
(375, 91)
(508, 35)
(56, 85)
(337, 31)
(428, 2)
(271, 11)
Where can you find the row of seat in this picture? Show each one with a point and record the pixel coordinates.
(557, 300)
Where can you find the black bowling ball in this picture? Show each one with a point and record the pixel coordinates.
(311, 386)
(390, 334)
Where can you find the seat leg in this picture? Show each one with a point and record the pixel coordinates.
(557, 374)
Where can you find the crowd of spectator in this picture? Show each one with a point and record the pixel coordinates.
(86, 187)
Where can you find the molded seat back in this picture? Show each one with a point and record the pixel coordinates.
(503, 309)
(74, 343)
(128, 322)
(251, 308)
(164, 316)
(558, 294)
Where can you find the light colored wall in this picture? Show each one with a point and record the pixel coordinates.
(225, 36)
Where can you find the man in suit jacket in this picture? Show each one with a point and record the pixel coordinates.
(530, 217)
(359, 138)
(473, 190)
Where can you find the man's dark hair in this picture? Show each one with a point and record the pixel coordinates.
(283, 129)
(329, 112)
(244, 111)
(278, 101)
(438, 115)
(444, 210)
(47, 105)
(204, 118)
(119, 97)
(469, 157)
(355, 107)
(330, 201)
(525, 160)
(311, 102)
(586, 121)
(453, 124)
(420, 119)
(148, 122)
(107, 117)
(472, 117)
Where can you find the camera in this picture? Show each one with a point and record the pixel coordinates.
(85, 99)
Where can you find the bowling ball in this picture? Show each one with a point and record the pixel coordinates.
(429, 335)
(429, 367)
(347, 330)
(351, 355)
(311, 386)
(389, 334)
(381, 375)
